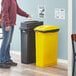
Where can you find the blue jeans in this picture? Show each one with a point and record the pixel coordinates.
(5, 47)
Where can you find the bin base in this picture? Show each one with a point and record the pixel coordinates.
(46, 65)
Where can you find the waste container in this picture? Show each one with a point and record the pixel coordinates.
(46, 45)
(28, 41)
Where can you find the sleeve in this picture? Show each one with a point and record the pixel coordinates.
(21, 12)
(5, 12)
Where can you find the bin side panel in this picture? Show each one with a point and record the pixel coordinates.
(51, 49)
(39, 49)
(47, 47)
(24, 47)
(31, 46)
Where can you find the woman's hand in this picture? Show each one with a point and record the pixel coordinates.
(30, 17)
(7, 28)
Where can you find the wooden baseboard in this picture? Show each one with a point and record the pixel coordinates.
(62, 61)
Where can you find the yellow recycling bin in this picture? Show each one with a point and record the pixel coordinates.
(46, 45)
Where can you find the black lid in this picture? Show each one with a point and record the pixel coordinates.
(30, 24)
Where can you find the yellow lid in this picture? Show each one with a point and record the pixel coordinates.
(47, 28)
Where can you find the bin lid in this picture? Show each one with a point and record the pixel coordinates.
(47, 28)
(30, 24)
(26, 22)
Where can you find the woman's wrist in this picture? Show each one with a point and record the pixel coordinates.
(7, 28)
(7, 25)
(29, 16)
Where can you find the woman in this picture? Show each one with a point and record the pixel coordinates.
(0, 20)
(9, 9)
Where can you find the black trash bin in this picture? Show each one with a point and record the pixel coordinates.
(28, 41)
